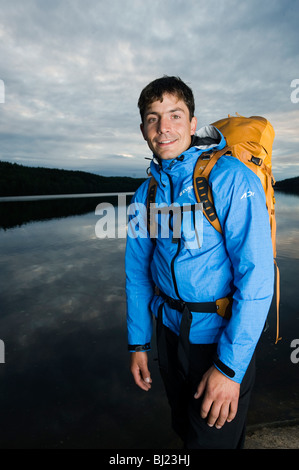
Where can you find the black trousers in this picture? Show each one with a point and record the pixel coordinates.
(185, 409)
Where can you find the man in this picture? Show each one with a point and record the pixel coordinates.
(209, 380)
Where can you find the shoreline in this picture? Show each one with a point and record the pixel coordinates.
(275, 435)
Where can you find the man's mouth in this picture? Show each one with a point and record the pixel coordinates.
(166, 142)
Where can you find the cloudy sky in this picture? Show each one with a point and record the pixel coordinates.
(73, 71)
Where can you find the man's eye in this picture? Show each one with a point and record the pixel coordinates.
(150, 120)
(176, 116)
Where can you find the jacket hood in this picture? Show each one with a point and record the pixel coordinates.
(208, 137)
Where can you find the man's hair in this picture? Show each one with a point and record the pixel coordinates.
(155, 90)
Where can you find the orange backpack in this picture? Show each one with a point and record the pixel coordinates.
(250, 140)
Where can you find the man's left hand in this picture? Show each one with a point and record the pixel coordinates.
(221, 397)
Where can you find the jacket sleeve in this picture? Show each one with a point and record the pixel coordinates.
(139, 284)
(244, 218)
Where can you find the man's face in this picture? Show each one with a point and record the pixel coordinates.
(167, 127)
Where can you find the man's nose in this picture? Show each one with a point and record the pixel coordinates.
(163, 125)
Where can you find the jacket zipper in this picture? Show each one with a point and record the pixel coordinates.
(172, 268)
(177, 240)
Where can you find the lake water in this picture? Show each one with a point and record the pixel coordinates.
(66, 381)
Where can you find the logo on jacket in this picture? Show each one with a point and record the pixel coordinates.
(186, 190)
(248, 194)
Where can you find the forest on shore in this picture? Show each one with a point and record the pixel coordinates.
(19, 180)
(290, 185)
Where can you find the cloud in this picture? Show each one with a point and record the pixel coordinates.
(73, 72)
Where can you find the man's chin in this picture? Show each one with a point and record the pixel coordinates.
(167, 155)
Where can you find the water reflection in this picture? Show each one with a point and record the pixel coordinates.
(19, 211)
(288, 225)
(65, 383)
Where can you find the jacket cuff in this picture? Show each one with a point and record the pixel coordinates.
(230, 373)
(139, 347)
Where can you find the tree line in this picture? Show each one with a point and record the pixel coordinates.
(290, 185)
(19, 180)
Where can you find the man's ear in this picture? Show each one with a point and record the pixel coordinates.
(193, 125)
(143, 131)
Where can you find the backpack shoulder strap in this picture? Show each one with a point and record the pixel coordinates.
(202, 189)
(151, 199)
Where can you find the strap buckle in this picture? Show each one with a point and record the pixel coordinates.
(257, 161)
(176, 304)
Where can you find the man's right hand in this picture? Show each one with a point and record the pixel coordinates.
(140, 370)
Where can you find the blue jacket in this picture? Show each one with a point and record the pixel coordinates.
(207, 267)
